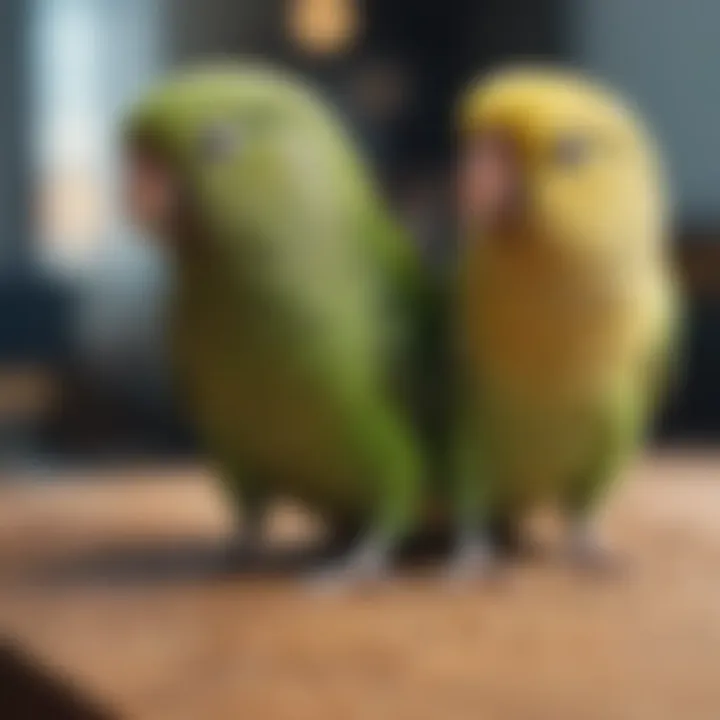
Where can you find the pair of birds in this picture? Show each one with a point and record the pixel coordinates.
(323, 360)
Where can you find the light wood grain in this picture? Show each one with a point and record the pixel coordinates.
(540, 644)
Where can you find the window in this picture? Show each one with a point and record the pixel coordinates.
(90, 58)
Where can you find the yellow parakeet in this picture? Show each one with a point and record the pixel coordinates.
(565, 299)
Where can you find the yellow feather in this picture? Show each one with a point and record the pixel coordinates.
(569, 302)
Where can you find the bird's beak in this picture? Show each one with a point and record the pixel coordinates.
(150, 195)
(489, 181)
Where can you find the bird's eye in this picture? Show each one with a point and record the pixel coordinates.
(220, 142)
(571, 151)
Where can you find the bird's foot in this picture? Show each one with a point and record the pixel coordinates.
(586, 553)
(474, 560)
(365, 566)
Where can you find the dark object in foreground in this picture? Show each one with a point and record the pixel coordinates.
(29, 692)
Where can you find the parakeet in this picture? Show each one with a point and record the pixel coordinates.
(298, 305)
(566, 301)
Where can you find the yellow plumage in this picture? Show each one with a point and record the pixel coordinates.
(572, 298)
(566, 302)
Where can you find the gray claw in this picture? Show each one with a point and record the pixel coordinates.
(475, 559)
(586, 553)
(368, 564)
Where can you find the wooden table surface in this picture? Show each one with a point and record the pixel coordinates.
(156, 640)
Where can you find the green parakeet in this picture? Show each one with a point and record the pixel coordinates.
(566, 300)
(299, 305)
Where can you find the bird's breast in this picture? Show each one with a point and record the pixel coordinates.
(543, 334)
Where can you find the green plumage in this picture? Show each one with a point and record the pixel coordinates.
(299, 304)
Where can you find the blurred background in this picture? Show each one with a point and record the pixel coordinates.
(98, 471)
(82, 368)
